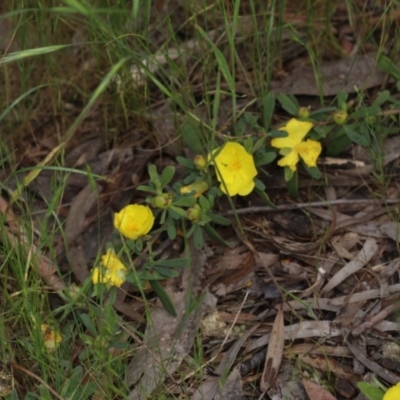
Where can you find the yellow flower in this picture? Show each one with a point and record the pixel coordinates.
(392, 393)
(113, 273)
(198, 187)
(134, 221)
(51, 338)
(293, 145)
(235, 169)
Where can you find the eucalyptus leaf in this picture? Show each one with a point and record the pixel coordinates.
(163, 296)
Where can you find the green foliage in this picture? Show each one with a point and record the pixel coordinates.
(371, 392)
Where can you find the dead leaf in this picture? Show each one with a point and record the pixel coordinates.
(366, 253)
(316, 392)
(232, 388)
(274, 353)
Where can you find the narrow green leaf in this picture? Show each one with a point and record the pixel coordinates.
(185, 202)
(153, 173)
(167, 175)
(382, 98)
(293, 184)
(215, 235)
(358, 138)
(366, 112)
(259, 184)
(166, 272)
(173, 262)
(264, 159)
(20, 55)
(371, 392)
(204, 204)
(288, 104)
(181, 212)
(264, 197)
(145, 188)
(163, 296)
(185, 162)
(190, 135)
(223, 65)
(171, 229)
(314, 172)
(220, 220)
(268, 110)
(278, 134)
(388, 66)
(198, 238)
(87, 321)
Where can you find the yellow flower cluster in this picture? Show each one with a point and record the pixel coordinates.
(134, 221)
(292, 147)
(392, 393)
(112, 272)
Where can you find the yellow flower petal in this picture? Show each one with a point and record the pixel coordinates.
(134, 221)
(290, 160)
(115, 277)
(296, 130)
(392, 393)
(111, 261)
(51, 338)
(235, 169)
(309, 151)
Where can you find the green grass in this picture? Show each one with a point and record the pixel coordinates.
(59, 91)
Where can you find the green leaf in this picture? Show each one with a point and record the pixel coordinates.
(265, 158)
(314, 172)
(87, 321)
(219, 219)
(386, 65)
(324, 110)
(223, 65)
(382, 98)
(259, 184)
(204, 204)
(185, 162)
(185, 202)
(180, 211)
(260, 143)
(293, 184)
(342, 100)
(190, 135)
(366, 112)
(173, 262)
(198, 239)
(321, 132)
(288, 104)
(264, 197)
(359, 138)
(163, 216)
(166, 272)
(20, 55)
(215, 235)
(288, 173)
(371, 392)
(153, 174)
(278, 134)
(163, 296)
(171, 229)
(268, 110)
(145, 188)
(167, 175)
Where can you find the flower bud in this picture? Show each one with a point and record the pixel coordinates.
(303, 112)
(200, 162)
(194, 213)
(163, 201)
(198, 187)
(340, 117)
